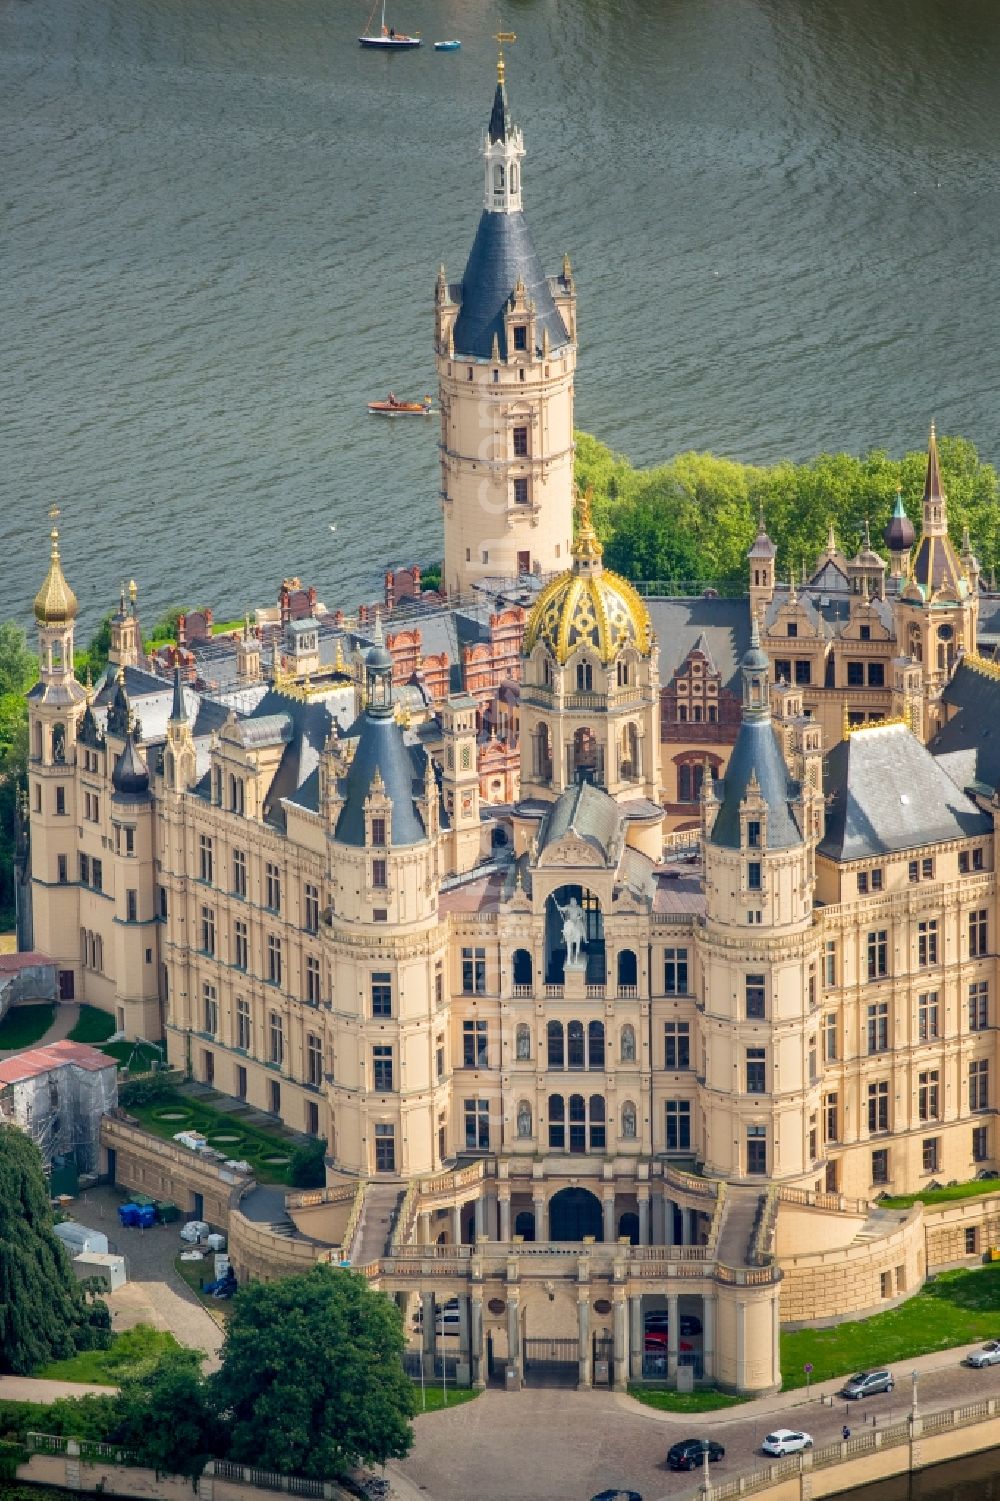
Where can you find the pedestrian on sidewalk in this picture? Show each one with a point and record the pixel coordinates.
(847, 1433)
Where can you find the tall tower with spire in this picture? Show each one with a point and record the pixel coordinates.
(505, 340)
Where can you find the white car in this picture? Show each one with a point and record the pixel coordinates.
(786, 1441)
(988, 1355)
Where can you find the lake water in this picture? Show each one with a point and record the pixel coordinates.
(222, 222)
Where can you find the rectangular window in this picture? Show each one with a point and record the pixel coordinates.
(971, 1240)
(878, 1107)
(927, 1016)
(381, 994)
(978, 858)
(520, 336)
(878, 1027)
(312, 1118)
(274, 1092)
(830, 963)
(276, 1039)
(62, 871)
(753, 833)
(876, 674)
(927, 1095)
(803, 676)
(385, 1137)
(312, 979)
(474, 971)
(240, 945)
(880, 1166)
(753, 875)
(379, 873)
(521, 491)
(927, 942)
(211, 1010)
(783, 670)
(314, 1059)
(927, 868)
(310, 908)
(755, 998)
(380, 914)
(832, 1118)
(439, 1061)
(862, 882)
(855, 674)
(978, 944)
(161, 892)
(382, 1069)
(84, 870)
(979, 1005)
(206, 858)
(864, 633)
(241, 1082)
(963, 862)
(239, 873)
(913, 871)
(475, 1045)
(273, 959)
(477, 1125)
(675, 971)
(438, 985)
(979, 1084)
(877, 878)
(207, 930)
(272, 887)
(678, 1125)
(378, 830)
(97, 875)
(930, 1154)
(677, 1045)
(793, 629)
(520, 442)
(243, 1031)
(980, 1143)
(132, 906)
(878, 954)
(756, 1071)
(830, 1036)
(60, 800)
(756, 1149)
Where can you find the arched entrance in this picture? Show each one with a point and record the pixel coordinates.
(575, 1213)
(628, 1225)
(524, 1224)
(592, 951)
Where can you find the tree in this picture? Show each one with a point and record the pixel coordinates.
(44, 1314)
(164, 1414)
(307, 1169)
(95, 657)
(18, 671)
(311, 1378)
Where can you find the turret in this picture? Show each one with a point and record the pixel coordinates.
(761, 559)
(899, 536)
(126, 637)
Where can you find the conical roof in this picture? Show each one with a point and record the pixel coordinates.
(55, 602)
(130, 777)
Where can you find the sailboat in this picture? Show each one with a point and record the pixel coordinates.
(388, 38)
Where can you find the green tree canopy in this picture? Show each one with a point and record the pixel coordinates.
(163, 1413)
(44, 1314)
(311, 1378)
(18, 671)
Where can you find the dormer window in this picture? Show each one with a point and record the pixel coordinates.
(793, 629)
(521, 337)
(378, 831)
(584, 677)
(865, 633)
(753, 833)
(498, 177)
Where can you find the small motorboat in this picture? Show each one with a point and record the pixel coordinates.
(388, 38)
(393, 407)
(451, 46)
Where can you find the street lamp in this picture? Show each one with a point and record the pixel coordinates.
(706, 1482)
(913, 1378)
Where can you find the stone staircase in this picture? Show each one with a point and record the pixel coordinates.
(378, 1216)
(739, 1219)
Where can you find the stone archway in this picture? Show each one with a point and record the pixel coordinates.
(575, 1213)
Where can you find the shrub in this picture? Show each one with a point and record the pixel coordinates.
(307, 1169)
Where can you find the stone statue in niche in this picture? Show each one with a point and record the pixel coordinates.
(524, 1119)
(574, 930)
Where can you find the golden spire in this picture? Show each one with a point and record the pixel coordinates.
(55, 602)
(501, 37)
(133, 591)
(586, 546)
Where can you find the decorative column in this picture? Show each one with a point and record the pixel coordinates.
(476, 1352)
(585, 1378)
(644, 1216)
(636, 1340)
(505, 1216)
(428, 1327)
(456, 1224)
(708, 1304)
(668, 1223)
(480, 1220)
(464, 1353)
(609, 1219)
(673, 1330)
(514, 1340)
(659, 1237)
(425, 1228)
(620, 1330)
(541, 1218)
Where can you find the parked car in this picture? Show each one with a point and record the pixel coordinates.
(656, 1339)
(658, 1319)
(617, 1496)
(447, 1318)
(867, 1384)
(988, 1355)
(688, 1454)
(786, 1441)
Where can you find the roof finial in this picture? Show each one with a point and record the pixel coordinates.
(500, 37)
(754, 630)
(585, 544)
(378, 635)
(831, 539)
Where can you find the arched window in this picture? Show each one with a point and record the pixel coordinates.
(59, 742)
(623, 672)
(630, 753)
(168, 767)
(584, 677)
(690, 775)
(523, 1041)
(595, 1045)
(524, 1121)
(557, 1122)
(598, 1130)
(38, 740)
(498, 178)
(577, 1123)
(543, 753)
(513, 179)
(627, 969)
(629, 1121)
(915, 645)
(628, 1043)
(554, 1035)
(682, 713)
(575, 1047)
(586, 760)
(522, 967)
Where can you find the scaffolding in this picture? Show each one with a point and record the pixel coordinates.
(57, 1095)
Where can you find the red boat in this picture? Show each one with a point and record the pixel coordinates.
(393, 407)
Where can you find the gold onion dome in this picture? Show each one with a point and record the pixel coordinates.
(588, 605)
(55, 602)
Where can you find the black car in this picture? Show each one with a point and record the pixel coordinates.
(688, 1454)
(617, 1496)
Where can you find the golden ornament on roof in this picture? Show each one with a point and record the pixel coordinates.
(55, 602)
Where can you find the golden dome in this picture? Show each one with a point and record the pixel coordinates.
(55, 602)
(588, 606)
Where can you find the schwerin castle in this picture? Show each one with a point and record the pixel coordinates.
(622, 951)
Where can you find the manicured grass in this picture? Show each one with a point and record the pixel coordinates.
(92, 1026)
(667, 1401)
(133, 1347)
(138, 1057)
(436, 1394)
(943, 1195)
(24, 1025)
(955, 1309)
(249, 1143)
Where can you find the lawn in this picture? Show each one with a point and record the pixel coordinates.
(133, 1347)
(92, 1026)
(436, 1394)
(137, 1057)
(955, 1309)
(269, 1153)
(196, 1272)
(668, 1401)
(943, 1195)
(24, 1025)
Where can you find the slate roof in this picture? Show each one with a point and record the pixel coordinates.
(968, 746)
(886, 792)
(757, 752)
(586, 811)
(723, 625)
(382, 747)
(501, 252)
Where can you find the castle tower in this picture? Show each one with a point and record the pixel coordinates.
(248, 654)
(179, 760)
(135, 929)
(126, 637)
(761, 559)
(899, 537)
(760, 954)
(505, 342)
(461, 779)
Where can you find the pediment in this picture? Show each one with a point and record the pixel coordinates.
(572, 851)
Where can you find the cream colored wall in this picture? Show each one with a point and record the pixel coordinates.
(825, 1286)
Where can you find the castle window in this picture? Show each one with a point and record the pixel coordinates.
(207, 930)
(979, 1005)
(678, 1118)
(682, 715)
(520, 337)
(385, 1147)
(205, 858)
(927, 942)
(978, 944)
(276, 1036)
(576, 1052)
(803, 672)
(97, 875)
(980, 1143)
(211, 1010)
(475, 1045)
(314, 1060)
(927, 1016)
(378, 873)
(855, 674)
(783, 670)
(862, 882)
(273, 959)
(865, 633)
(713, 714)
(378, 831)
(756, 1149)
(979, 1084)
(622, 672)
(84, 870)
(60, 800)
(878, 1106)
(584, 677)
(239, 873)
(793, 629)
(930, 1154)
(521, 494)
(272, 886)
(312, 980)
(557, 1122)
(927, 1095)
(595, 1046)
(381, 994)
(878, 954)
(880, 1166)
(474, 971)
(753, 875)
(876, 674)
(690, 775)
(311, 908)
(477, 1125)
(240, 946)
(520, 441)
(755, 997)
(878, 1027)
(62, 870)
(830, 1037)
(598, 1127)
(382, 1069)
(132, 908)
(677, 1046)
(675, 971)
(753, 833)
(243, 1028)
(756, 1071)
(877, 879)
(554, 1038)
(832, 1118)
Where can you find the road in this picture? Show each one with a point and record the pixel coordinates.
(551, 1445)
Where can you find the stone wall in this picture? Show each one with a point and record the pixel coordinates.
(164, 1171)
(826, 1287)
(232, 1483)
(259, 1255)
(948, 1227)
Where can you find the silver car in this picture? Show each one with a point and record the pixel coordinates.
(988, 1355)
(867, 1384)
